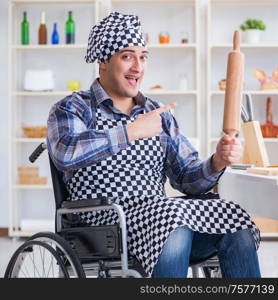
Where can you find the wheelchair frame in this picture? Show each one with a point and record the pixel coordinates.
(113, 262)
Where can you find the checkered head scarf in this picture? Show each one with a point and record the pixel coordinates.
(112, 34)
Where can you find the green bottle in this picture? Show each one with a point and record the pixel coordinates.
(70, 29)
(25, 30)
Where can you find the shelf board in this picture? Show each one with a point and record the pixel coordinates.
(49, 47)
(244, 2)
(39, 94)
(252, 92)
(27, 233)
(217, 46)
(271, 140)
(53, 1)
(266, 140)
(152, 1)
(84, 46)
(28, 140)
(169, 92)
(269, 234)
(66, 93)
(32, 187)
(165, 46)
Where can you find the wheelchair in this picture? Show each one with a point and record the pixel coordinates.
(77, 251)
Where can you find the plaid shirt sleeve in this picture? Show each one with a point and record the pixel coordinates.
(186, 171)
(72, 141)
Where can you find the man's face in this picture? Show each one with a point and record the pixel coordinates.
(125, 70)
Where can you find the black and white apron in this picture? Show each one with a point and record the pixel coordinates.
(135, 179)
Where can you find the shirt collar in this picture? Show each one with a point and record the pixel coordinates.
(101, 95)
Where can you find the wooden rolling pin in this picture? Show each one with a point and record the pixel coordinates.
(234, 85)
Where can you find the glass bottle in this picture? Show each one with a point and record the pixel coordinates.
(42, 30)
(55, 35)
(25, 30)
(70, 29)
(183, 82)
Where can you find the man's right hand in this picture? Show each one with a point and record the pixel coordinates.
(147, 125)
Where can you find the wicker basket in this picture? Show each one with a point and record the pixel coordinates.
(34, 131)
(30, 175)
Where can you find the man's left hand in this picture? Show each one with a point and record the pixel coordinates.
(228, 151)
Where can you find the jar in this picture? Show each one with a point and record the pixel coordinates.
(146, 38)
(164, 37)
(184, 37)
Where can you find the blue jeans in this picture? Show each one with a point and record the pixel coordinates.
(236, 252)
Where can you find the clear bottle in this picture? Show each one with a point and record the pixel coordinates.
(70, 29)
(25, 30)
(55, 35)
(42, 30)
(183, 82)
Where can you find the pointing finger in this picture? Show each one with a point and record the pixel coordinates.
(165, 108)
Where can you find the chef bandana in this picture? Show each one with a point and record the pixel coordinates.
(113, 33)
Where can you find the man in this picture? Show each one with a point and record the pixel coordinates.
(112, 141)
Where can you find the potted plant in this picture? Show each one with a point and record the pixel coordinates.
(252, 29)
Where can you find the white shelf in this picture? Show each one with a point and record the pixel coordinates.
(170, 46)
(28, 140)
(18, 2)
(27, 233)
(245, 1)
(84, 46)
(254, 46)
(266, 140)
(253, 92)
(269, 235)
(153, 1)
(271, 140)
(41, 94)
(170, 92)
(66, 93)
(32, 187)
(49, 47)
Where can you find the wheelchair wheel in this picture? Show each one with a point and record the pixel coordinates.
(35, 259)
(63, 249)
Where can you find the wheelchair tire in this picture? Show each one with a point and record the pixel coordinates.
(62, 247)
(35, 259)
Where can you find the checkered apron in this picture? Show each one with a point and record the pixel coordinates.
(135, 179)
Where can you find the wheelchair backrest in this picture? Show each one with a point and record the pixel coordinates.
(59, 187)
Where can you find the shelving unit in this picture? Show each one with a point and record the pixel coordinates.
(174, 17)
(223, 18)
(257, 56)
(34, 204)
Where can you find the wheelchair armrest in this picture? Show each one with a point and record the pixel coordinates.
(86, 202)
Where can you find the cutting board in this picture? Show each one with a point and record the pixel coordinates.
(263, 171)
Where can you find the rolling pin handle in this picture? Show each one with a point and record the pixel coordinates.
(236, 41)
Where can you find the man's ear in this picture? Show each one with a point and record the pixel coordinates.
(103, 65)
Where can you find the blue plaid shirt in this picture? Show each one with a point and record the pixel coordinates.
(74, 143)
